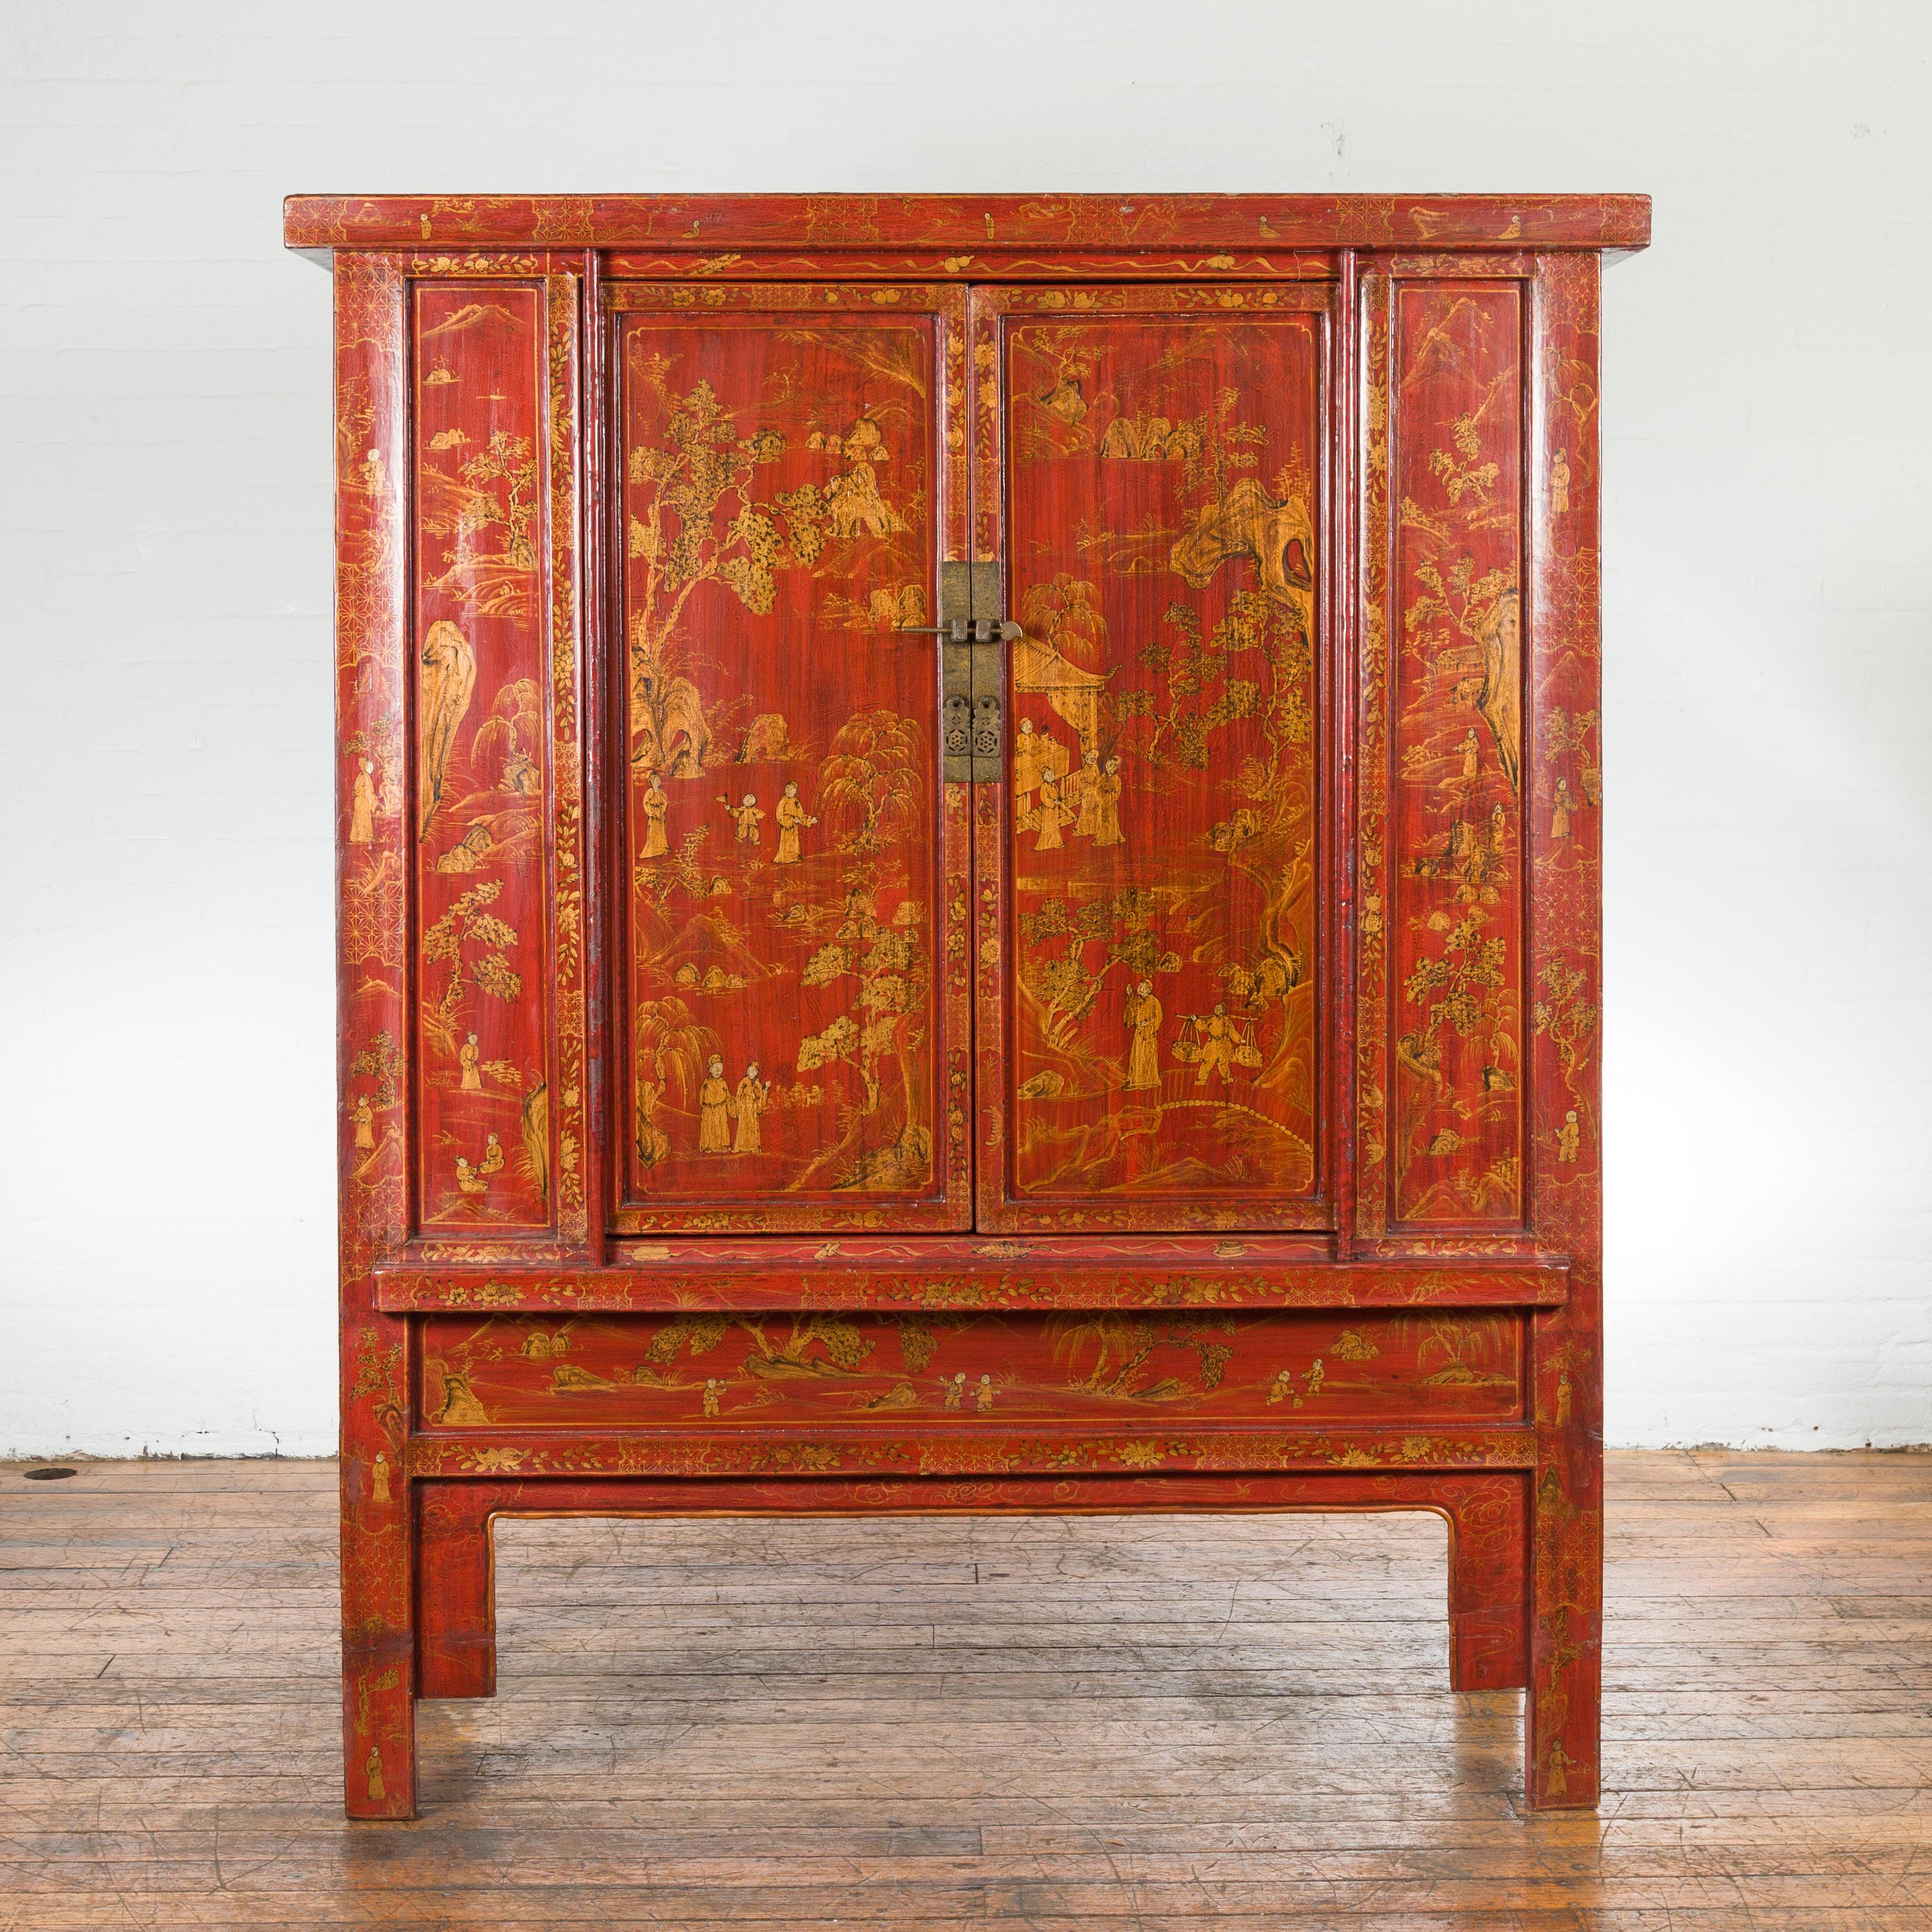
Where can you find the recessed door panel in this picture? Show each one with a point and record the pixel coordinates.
(794, 867)
(1151, 473)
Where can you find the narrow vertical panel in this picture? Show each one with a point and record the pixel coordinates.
(988, 801)
(1562, 783)
(957, 858)
(1164, 467)
(567, 970)
(373, 847)
(598, 742)
(374, 840)
(1373, 898)
(483, 719)
(1454, 1147)
(795, 869)
(1341, 674)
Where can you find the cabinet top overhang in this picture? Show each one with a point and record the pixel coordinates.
(984, 228)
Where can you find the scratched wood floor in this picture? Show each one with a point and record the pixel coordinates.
(1235, 1722)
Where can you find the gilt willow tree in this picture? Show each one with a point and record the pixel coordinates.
(695, 517)
(469, 923)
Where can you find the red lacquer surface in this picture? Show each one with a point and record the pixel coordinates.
(456, 1521)
(1131, 1312)
(784, 494)
(378, 1100)
(1455, 1142)
(717, 229)
(1132, 1271)
(1562, 791)
(1162, 455)
(481, 711)
(970, 1370)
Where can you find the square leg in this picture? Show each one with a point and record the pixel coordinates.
(1489, 1597)
(379, 1717)
(455, 1597)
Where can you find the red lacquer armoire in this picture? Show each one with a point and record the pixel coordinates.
(969, 869)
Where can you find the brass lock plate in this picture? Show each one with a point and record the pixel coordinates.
(971, 670)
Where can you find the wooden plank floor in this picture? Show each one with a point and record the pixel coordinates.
(1109, 1724)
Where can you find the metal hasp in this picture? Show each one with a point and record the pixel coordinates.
(971, 670)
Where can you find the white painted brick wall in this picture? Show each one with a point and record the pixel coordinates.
(166, 1261)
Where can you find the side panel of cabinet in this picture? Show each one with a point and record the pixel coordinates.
(1442, 848)
(490, 780)
(788, 469)
(1562, 785)
(1154, 473)
(374, 1135)
(1478, 917)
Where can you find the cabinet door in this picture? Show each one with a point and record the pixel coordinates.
(1151, 468)
(787, 466)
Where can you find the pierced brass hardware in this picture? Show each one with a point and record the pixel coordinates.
(986, 739)
(971, 670)
(957, 725)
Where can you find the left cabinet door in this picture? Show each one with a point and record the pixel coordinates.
(786, 487)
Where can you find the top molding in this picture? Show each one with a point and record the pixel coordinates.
(985, 224)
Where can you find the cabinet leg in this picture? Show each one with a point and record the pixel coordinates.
(456, 1608)
(1489, 1607)
(379, 1716)
(1562, 1746)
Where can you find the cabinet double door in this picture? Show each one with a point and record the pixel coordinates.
(1073, 977)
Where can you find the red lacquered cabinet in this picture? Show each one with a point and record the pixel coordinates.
(969, 836)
